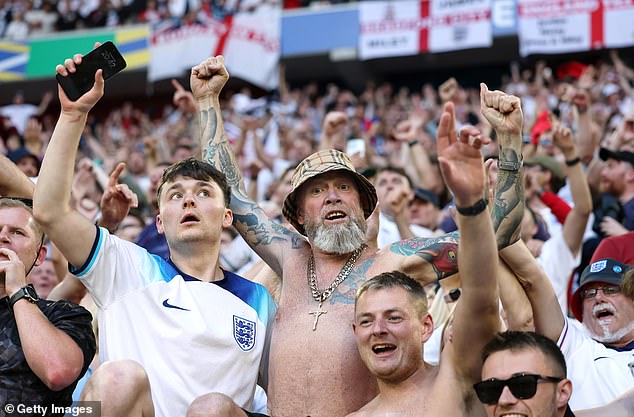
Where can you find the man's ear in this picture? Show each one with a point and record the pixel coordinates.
(428, 327)
(227, 220)
(159, 224)
(564, 392)
(41, 255)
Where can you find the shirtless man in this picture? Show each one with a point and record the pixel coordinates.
(391, 321)
(315, 369)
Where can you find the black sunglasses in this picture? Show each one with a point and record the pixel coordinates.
(26, 201)
(523, 386)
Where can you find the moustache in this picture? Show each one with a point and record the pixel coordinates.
(603, 307)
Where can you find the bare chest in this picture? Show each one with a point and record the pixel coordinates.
(315, 368)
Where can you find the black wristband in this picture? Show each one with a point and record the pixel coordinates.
(473, 210)
(412, 143)
(573, 162)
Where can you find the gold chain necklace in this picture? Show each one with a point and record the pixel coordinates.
(322, 295)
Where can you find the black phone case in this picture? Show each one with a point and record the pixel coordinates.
(106, 57)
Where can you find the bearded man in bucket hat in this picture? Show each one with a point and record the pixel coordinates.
(315, 368)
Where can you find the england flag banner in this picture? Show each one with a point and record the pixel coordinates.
(388, 29)
(558, 27)
(398, 28)
(619, 23)
(459, 24)
(250, 43)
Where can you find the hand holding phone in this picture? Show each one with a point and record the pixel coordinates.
(105, 57)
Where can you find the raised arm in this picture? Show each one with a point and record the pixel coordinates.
(13, 182)
(575, 224)
(504, 113)
(462, 168)
(421, 256)
(270, 240)
(333, 131)
(547, 315)
(72, 234)
(411, 132)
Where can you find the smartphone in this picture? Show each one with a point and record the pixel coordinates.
(105, 57)
(356, 146)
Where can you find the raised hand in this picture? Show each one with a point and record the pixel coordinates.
(334, 123)
(562, 137)
(117, 200)
(12, 271)
(409, 130)
(398, 199)
(448, 90)
(208, 78)
(503, 111)
(33, 132)
(581, 100)
(182, 98)
(89, 99)
(460, 159)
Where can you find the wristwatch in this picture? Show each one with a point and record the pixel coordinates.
(28, 292)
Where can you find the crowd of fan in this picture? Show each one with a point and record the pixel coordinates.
(576, 116)
(272, 134)
(20, 19)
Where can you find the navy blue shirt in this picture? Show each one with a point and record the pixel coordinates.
(18, 383)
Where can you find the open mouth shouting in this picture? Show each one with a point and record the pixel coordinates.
(604, 313)
(335, 216)
(383, 349)
(189, 219)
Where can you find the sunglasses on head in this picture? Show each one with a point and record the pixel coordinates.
(523, 386)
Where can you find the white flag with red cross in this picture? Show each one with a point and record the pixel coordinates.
(552, 27)
(250, 43)
(398, 28)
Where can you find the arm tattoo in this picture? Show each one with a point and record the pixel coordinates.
(254, 226)
(210, 148)
(508, 209)
(229, 167)
(441, 252)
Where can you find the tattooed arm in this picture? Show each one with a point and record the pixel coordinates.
(427, 259)
(504, 113)
(267, 238)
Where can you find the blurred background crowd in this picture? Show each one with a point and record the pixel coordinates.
(20, 19)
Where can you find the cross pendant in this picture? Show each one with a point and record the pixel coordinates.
(317, 314)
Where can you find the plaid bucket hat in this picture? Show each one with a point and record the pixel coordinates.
(319, 163)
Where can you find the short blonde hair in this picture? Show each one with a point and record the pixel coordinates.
(397, 279)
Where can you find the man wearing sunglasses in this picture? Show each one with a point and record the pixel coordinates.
(524, 374)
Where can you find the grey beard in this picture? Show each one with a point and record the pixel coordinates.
(337, 238)
(609, 337)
